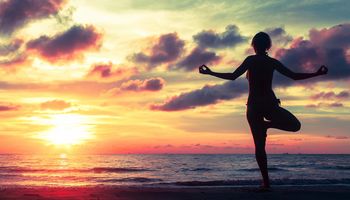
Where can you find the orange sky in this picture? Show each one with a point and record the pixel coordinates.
(121, 77)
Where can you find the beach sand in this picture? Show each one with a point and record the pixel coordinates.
(169, 193)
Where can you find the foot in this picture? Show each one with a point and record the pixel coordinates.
(264, 188)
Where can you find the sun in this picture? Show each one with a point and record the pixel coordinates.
(67, 129)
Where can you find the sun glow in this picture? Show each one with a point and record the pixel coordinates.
(67, 129)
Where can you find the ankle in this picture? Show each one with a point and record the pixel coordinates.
(265, 184)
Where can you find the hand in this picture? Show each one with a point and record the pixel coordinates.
(322, 70)
(204, 69)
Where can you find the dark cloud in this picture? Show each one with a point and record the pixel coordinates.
(147, 85)
(168, 48)
(331, 95)
(210, 39)
(8, 107)
(152, 84)
(67, 46)
(343, 94)
(55, 105)
(107, 71)
(195, 58)
(336, 105)
(278, 35)
(15, 14)
(204, 96)
(328, 46)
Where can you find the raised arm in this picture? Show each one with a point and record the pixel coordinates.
(299, 76)
(228, 76)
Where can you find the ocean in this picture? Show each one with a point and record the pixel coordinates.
(170, 170)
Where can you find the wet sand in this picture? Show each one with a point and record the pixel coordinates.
(168, 193)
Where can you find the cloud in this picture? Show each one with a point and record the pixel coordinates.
(151, 85)
(278, 36)
(11, 47)
(13, 62)
(67, 46)
(328, 46)
(337, 137)
(202, 97)
(163, 146)
(8, 107)
(322, 104)
(331, 95)
(335, 105)
(15, 14)
(195, 58)
(55, 105)
(275, 144)
(229, 38)
(11, 57)
(203, 146)
(167, 49)
(107, 71)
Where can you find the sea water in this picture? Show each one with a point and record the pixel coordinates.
(170, 170)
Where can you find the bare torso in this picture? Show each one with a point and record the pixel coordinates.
(260, 70)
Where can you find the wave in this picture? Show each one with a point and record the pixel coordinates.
(291, 165)
(73, 170)
(256, 182)
(199, 169)
(132, 179)
(257, 169)
(118, 169)
(340, 167)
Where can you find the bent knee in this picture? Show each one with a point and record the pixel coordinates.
(296, 126)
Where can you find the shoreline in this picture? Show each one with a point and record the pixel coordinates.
(320, 192)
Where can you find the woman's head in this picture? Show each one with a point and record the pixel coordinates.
(261, 43)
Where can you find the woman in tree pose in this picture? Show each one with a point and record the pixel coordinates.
(262, 102)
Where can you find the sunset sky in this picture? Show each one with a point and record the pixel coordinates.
(106, 76)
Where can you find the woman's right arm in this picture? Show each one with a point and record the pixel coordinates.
(299, 76)
(228, 76)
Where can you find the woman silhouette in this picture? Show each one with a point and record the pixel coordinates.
(262, 102)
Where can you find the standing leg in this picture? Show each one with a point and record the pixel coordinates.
(256, 123)
(282, 119)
